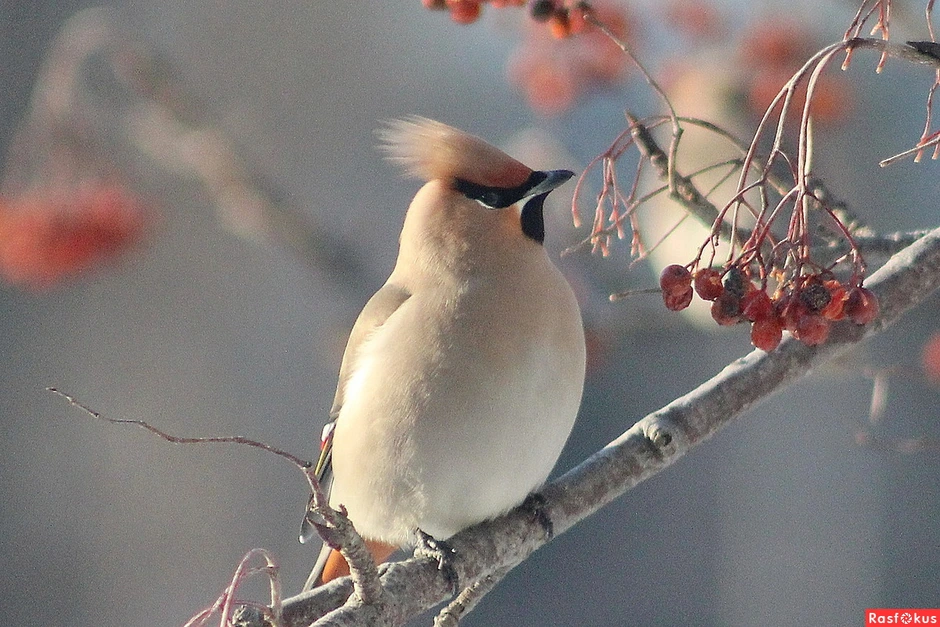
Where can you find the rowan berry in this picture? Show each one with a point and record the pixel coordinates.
(861, 306)
(708, 284)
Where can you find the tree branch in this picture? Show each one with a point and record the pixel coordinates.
(648, 447)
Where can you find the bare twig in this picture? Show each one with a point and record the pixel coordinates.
(233, 439)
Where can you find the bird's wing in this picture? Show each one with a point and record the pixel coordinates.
(382, 305)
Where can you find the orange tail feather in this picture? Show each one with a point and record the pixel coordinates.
(337, 567)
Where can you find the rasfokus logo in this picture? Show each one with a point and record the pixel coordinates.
(903, 616)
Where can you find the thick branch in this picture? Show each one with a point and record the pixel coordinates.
(652, 444)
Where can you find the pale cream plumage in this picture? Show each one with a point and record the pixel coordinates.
(463, 375)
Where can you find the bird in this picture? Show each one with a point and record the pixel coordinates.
(463, 374)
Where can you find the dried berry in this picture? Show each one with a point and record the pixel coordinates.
(678, 300)
(766, 333)
(811, 329)
(861, 306)
(675, 279)
(735, 282)
(726, 309)
(815, 295)
(791, 309)
(708, 284)
(756, 305)
(834, 310)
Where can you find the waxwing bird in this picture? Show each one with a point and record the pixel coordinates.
(463, 374)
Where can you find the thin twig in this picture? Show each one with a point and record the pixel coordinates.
(233, 439)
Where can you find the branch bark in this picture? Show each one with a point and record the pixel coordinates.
(648, 447)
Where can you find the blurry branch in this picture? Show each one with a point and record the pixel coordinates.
(648, 447)
(105, 101)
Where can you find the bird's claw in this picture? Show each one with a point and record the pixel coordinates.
(535, 504)
(441, 552)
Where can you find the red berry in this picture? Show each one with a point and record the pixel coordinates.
(465, 11)
(675, 279)
(791, 309)
(766, 333)
(726, 309)
(559, 25)
(677, 301)
(861, 306)
(708, 284)
(835, 309)
(811, 329)
(930, 359)
(756, 305)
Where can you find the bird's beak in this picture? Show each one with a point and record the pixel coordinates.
(553, 178)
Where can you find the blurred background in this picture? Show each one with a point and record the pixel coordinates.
(257, 218)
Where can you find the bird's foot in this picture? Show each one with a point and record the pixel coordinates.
(441, 552)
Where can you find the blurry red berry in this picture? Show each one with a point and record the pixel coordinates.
(553, 74)
(465, 11)
(49, 234)
(766, 333)
(550, 84)
(708, 284)
(811, 329)
(726, 309)
(577, 17)
(434, 5)
(861, 306)
(675, 279)
(756, 305)
(790, 309)
(559, 24)
(834, 310)
(930, 359)
(678, 300)
(696, 18)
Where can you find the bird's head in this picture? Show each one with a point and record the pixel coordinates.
(471, 183)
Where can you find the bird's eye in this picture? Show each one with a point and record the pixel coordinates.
(491, 198)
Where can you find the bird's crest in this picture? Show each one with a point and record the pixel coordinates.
(432, 150)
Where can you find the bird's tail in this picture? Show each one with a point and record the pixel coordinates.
(331, 564)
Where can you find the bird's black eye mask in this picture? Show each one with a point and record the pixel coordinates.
(498, 197)
(532, 222)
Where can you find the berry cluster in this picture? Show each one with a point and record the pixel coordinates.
(48, 234)
(468, 11)
(805, 306)
(563, 21)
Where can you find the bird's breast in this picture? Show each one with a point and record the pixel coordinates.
(459, 405)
